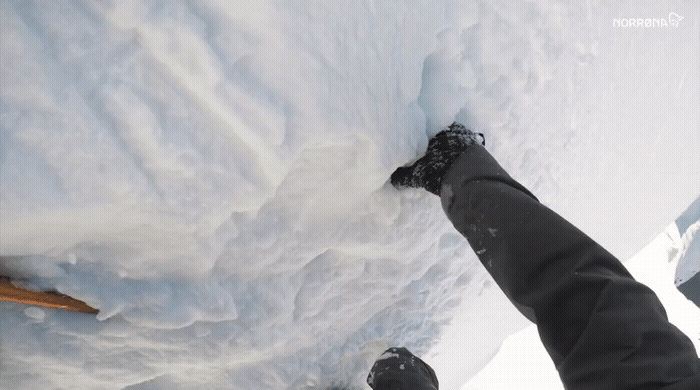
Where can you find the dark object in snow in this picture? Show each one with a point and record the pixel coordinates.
(53, 299)
(399, 369)
(602, 328)
(443, 150)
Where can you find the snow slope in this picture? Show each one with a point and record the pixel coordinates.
(212, 175)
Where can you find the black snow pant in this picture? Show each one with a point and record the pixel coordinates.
(602, 329)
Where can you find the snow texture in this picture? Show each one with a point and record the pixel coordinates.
(212, 176)
(387, 355)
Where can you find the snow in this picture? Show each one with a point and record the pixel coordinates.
(212, 176)
(387, 355)
(35, 313)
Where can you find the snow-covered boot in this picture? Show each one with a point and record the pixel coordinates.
(399, 369)
(443, 150)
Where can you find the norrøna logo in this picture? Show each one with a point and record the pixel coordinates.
(672, 21)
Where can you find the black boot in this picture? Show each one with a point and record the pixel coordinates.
(399, 369)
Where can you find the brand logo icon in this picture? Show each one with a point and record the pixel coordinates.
(673, 21)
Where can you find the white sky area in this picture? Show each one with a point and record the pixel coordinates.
(212, 176)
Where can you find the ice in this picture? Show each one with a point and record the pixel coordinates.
(212, 176)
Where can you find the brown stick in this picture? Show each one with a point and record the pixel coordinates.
(54, 299)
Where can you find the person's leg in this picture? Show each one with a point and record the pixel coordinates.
(399, 369)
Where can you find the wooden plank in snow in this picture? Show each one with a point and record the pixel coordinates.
(10, 292)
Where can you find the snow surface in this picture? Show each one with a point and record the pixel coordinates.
(212, 175)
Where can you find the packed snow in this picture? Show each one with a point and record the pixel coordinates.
(212, 176)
